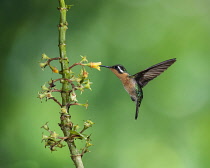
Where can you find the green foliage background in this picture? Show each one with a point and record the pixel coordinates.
(173, 126)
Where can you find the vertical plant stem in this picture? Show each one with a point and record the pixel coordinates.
(66, 124)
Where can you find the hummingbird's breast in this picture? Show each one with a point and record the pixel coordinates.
(130, 86)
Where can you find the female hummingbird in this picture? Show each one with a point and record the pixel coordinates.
(133, 84)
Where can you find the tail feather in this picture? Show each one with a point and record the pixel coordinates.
(138, 103)
(137, 109)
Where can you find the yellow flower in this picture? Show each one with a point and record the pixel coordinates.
(95, 65)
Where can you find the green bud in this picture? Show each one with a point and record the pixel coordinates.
(54, 134)
(84, 105)
(78, 80)
(44, 137)
(84, 59)
(87, 84)
(73, 96)
(52, 148)
(44, 56)
(41, 95)
(88, 124)
(43, 65)
(60, 145)
(86, 150)
(63, 110)
(46, 127)
(73, 78)
(71, 72)
(88, 144)
(81, 88)
(48, 95)
(76, 127)
(45, 88)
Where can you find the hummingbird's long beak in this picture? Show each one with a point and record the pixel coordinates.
(105, 66)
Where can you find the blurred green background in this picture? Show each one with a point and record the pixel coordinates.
(173, 125)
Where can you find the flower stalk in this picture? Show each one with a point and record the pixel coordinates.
(71, 84)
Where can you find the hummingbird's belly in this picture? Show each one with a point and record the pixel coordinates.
(130, 87)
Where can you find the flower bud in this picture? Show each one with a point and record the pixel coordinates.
(73, 96)
(85, 105)
(83, 73)
(41, 95)
(63, 110)
(84, 59)
(54, 69)
(44, 137)
(54, 134)
(88, 124)
(43, 64)
(52, 148)
(81, 88)
(60, 145)
(48, 95)
(76, 127)
(44, 88)
(46, 127)
(44, 56)
(87, 84)
(88, 144)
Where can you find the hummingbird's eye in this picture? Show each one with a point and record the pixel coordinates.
(120, 69)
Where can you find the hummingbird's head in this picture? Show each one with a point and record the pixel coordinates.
(117, 68)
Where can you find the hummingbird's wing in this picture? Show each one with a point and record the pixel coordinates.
(152, 72)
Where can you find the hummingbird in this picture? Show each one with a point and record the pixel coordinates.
(133, 84)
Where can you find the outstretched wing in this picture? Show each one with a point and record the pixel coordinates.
(152, 72)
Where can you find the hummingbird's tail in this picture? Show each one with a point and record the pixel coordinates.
(137, 109)
(138, 103)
